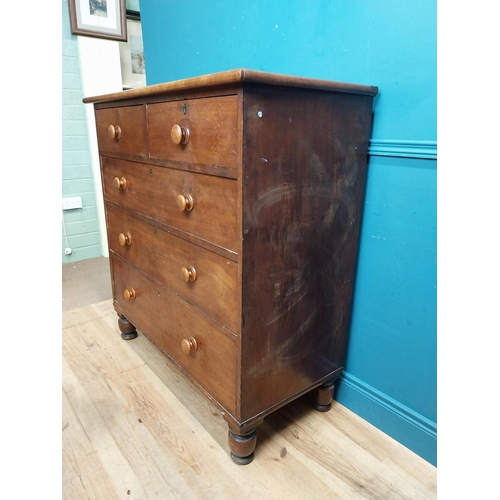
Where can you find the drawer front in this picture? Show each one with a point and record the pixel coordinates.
(154, 191)
(211, 279)
(129, 127)
(167, 320)
(206, 128)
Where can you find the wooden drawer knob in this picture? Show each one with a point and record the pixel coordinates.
(189, 345)
(185, 202)
(114, 132)
(179, 135)
(125, 239)
(129, 294)
(120, 183)
(189, 274)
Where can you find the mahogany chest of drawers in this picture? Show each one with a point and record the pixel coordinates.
(233, 205)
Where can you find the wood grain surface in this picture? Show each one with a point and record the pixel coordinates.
(167, 320)
(132, 123)
(212, 125)
(152, 191)
(163, 255)
(303, 179)
(235, 76)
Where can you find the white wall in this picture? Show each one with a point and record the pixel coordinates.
(101, 74)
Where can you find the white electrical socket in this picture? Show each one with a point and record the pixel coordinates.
(67, 251)
(71, 203)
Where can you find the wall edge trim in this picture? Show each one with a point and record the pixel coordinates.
(403, 148)
(409, 428)
(391, 404)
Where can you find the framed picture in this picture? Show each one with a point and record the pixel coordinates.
(98, 18)
(132, 56)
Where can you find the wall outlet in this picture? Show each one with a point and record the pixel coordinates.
(67, 251)
(71, 203)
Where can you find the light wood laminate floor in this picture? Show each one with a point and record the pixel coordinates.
(135, 428)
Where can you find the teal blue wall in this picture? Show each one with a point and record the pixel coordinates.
(390, 377)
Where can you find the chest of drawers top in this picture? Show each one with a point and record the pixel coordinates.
(232, 78)
(180, 124)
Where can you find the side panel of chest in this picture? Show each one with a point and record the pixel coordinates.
(304, 168)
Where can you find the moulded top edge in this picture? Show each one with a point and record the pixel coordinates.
(233, 77)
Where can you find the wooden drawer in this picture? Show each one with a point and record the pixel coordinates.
(167, 320)
(165, 257)
(153, 191)
(212, 125)
(129, 123)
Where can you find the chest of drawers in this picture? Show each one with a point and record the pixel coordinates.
(233, 205)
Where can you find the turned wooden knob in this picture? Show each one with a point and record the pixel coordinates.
(129, 294)
(114, 132)
(179, 135)
(120, 183)
(189, 274)
(185, 202)
(125, 239)
(189, 345)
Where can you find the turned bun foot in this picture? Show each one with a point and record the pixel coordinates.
(323, 396)
(242, 446)
(127, 328)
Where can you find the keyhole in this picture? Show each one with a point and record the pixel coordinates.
(184, 109)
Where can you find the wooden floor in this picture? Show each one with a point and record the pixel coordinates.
(134, 428)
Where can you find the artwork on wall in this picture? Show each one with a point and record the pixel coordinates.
(132, 56)
(98, 18)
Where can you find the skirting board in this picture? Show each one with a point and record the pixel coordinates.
(409, 428)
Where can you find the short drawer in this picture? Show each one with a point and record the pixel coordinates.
(203, 131)
(198, 204)
(122, 130)
(204, 279)
(173, 325)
